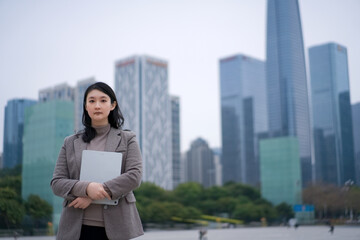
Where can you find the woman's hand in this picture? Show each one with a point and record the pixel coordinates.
(80, 202)
(96, 191)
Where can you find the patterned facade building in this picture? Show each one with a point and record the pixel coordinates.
(141, 86)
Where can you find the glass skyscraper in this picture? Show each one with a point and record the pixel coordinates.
(243, 117)
(332, 120)
(287, 90)
(175, 135)
(356, 127)
(46, 126)
(13, 131)
(141, 86)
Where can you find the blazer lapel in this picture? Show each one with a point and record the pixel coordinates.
(79, 146)
(113, 140)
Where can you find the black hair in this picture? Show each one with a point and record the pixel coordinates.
(115, 117)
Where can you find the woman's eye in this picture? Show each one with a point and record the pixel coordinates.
(91, 101)
(103, 101)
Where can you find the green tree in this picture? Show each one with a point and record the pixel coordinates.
(209, 207)
(247, 212)
(215, 193)
(189, 194)
(151, 191)
(15, 171)
(190, 213)
(38, 209)
(227, 205)
(238, 189)
(158, 212)
(13, 182)
(284, 211)
(11, 210)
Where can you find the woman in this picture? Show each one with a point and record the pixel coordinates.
(80, 219)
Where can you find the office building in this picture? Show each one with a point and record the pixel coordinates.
(332, 120)
(141, 86)
(79, 92)
(46, 126)
(356, 129)
(13, 131)
(217, 166)
(287, 90)
(59, 92)
(243, 117)
(200, 163)
(280, 170)
(175, 135)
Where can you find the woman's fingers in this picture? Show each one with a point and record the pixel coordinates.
(80, 202)
(96, 191)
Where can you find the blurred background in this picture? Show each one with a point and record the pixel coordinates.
(247, 112)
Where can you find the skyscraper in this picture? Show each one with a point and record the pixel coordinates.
(287, 90)
(80, 89)
(243, 117)
(13, 131)
(175, 135)
(46, 125)
(60, 92)
(332, 120)
(217, 166)
(200, 163)
(356, 128)
(141, 86)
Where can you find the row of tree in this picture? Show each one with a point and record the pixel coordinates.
(188, 201)
(191, 201)
(332, 201)
(16, 212)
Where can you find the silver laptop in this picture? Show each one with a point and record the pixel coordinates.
(99, 166)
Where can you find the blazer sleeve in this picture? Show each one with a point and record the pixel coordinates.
(62, 184)
(131, 177)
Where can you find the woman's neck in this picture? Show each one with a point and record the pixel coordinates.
(99, 125)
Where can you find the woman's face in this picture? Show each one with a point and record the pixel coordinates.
(98, 105)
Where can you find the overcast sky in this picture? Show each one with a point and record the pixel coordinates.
(44, 43)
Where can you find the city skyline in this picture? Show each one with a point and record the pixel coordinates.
(47, 44)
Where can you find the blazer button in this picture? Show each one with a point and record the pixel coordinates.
(106, 207)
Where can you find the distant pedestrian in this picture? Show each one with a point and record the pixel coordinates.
(202, 234)
(331, 229)
(296, 225)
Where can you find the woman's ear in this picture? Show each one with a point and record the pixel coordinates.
(113, 105)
